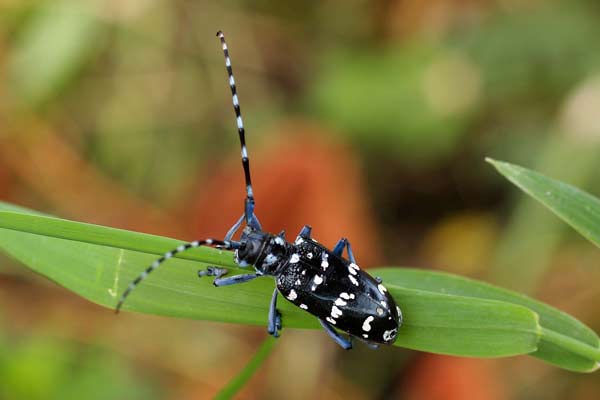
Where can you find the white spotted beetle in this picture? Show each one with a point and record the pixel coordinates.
(312, 277)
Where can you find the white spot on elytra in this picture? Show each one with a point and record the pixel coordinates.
(340, 302)
(304, 306)
(352, 270)
(297, 283)
(279, 241)
(379, 311)
(344, 295)
(352, 296)
(366, 326)
(309, 256)
(335, 312)
(353, 280)
(295, 258)
(293, 295)
(324, 262)
(331, 320)
(303, 272)
(318, 279)
(381, 288)
(389, 335)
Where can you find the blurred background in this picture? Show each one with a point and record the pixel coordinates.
(365, 119)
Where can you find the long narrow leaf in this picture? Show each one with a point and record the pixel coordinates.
(577, 208)
(98, 262)
(583, 354)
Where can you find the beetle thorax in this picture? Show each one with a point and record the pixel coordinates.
(266, 252)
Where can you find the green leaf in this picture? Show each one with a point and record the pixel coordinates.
(577, 208)
(564, 341)
(52, 48)
(98, 263)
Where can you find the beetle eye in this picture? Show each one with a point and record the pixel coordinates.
(379, 311)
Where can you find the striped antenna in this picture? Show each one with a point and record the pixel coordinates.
(249, 211)
(227, 245)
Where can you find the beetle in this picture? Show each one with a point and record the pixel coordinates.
(314, 278)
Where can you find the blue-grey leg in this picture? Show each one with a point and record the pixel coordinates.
(345, 343)
(219, 272)
(234, 228)
(305, 232)
(274, 324)
(232, 280)
(339, 249)
(213, 271)
(350, 255)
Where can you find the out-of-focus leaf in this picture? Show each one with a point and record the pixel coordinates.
(414, 101)
(577, 208)
(52, 47)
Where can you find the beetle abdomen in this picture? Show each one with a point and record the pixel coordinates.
(332, 288)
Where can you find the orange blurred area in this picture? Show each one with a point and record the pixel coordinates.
(365, 120)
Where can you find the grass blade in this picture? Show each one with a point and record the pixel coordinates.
(557, 328)
(98, 262)
(577, 208)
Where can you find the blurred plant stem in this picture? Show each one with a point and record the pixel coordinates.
(242, 378)
(533, 233)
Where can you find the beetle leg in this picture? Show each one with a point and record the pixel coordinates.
(339, 247)
(234, 228)
(345, 343)
(232, 280)
(213, 271)
(349, 250)
(274, 324)
(305, 232)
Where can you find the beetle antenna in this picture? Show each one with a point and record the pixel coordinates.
(249, 203)
(219, 244)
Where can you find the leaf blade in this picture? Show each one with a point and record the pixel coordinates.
(576, 207)
(550, 319)
(176, 293)
(86, 259)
